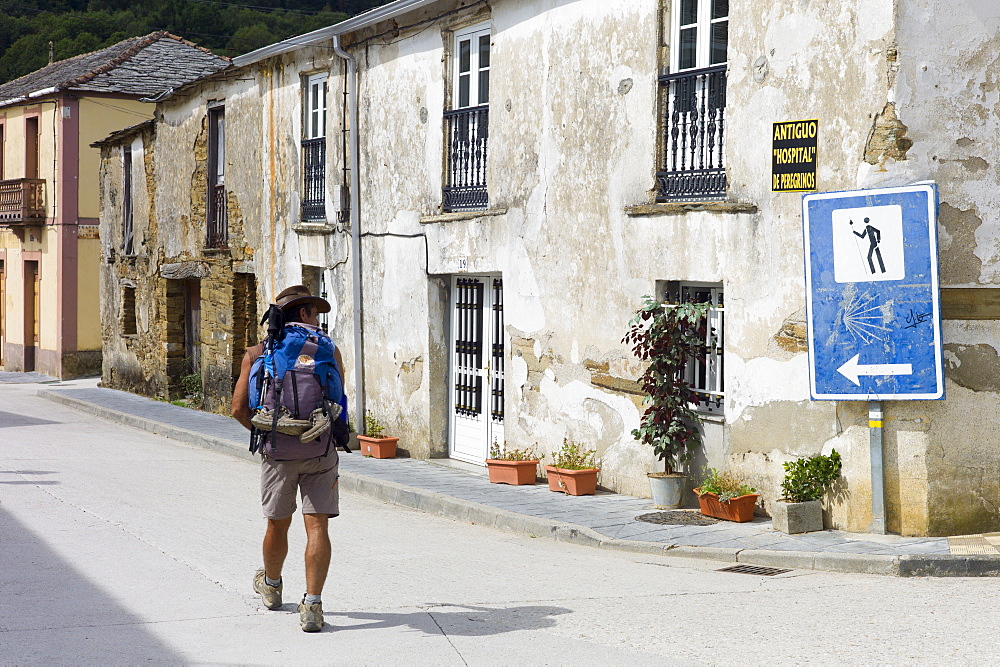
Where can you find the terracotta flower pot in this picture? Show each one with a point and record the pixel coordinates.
(379, 448)
(512, 472)
(573, 482)
(738, 509)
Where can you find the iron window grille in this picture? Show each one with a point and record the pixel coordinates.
(693, 141)
(705, 371)
(218, 220)
(314, 177)
(468, 347)
(468, 136)
(496, 361)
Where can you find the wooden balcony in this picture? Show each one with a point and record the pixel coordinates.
(22, 201)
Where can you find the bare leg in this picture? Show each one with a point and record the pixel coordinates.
(276, 546)
(317, 552)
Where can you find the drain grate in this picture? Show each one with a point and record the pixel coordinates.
(754, 569)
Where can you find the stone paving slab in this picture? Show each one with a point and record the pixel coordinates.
(605, 520)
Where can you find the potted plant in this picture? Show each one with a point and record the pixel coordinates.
(573, 470)
(806, 480)
(725, 496)
(374, 443)
(668, 336)
(512, 466)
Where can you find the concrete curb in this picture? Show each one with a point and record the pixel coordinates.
(458, 509)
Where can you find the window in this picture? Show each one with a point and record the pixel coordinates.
(1, 149)
(129, 325)
(217, 223)
(31, 147)
(693, 104)
(704, 371)
(467, 123)
(127, 246)
(314, 277)
(314, 148)
(701, 34)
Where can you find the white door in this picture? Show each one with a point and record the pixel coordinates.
(477, 362)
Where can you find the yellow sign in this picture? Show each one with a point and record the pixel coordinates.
(793, 156)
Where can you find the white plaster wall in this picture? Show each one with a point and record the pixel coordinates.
(572, 145)
(573, 132)
(947, 93)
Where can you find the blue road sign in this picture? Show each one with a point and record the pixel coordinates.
(872, 294)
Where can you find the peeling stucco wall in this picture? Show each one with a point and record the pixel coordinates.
(572, 131)
(902, 92)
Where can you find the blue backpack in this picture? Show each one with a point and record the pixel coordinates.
(296, 392)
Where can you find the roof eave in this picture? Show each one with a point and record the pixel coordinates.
(29, 96)
(371, 17)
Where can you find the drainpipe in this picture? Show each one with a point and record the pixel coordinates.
(359, 345)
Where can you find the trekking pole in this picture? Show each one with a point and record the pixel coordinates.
(275, 319)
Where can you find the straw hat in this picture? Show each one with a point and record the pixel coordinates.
(299, 295)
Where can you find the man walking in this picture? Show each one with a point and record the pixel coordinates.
(314, 478)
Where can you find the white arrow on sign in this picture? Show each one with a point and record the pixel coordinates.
(852, 369)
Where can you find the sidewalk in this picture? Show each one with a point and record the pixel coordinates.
(606, 520)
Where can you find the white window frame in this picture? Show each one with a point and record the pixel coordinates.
(314, 106)
(708, 380)
(472, 34)
(703, 26)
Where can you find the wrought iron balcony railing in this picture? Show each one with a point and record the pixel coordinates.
(468, 135)
(693, 153)
(218, 220)
(314, 179)
(22, 201)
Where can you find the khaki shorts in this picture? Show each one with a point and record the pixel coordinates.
(315, 479)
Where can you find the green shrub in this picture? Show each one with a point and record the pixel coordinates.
(572, 456)
(808, 478)
(501, 453)
(373, 427)
(725, 484)
(191, 384)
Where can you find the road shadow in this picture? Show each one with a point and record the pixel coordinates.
(10, 419)
(53, 614)
(468, 621)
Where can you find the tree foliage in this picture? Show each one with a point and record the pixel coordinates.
(226, 28)
(668, 337)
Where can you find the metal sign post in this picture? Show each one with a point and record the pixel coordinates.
(873, 304)
(878, 477)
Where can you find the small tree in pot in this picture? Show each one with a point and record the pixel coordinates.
(668, 336)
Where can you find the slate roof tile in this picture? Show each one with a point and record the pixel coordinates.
(138, 66)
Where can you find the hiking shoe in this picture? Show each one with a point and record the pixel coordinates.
(311, 616)
(269, 595)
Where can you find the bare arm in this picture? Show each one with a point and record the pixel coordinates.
(340, 363)
(241, 393)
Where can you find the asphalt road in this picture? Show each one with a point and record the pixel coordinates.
(121, 547)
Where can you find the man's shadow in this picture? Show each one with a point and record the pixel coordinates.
(468, 621)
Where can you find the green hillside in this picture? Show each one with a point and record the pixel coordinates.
(227, 28)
